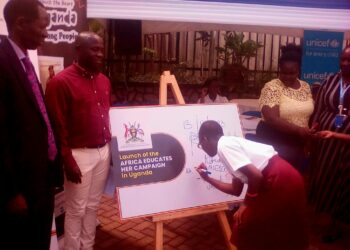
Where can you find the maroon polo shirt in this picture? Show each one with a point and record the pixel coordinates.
(79, 102)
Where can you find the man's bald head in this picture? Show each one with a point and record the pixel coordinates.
(85, 38)
(89, 49)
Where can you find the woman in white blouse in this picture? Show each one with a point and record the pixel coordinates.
(272, 215)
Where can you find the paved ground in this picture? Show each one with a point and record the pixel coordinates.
(195, 233)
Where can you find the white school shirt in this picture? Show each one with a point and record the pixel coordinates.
(236, 152)
(218, 99)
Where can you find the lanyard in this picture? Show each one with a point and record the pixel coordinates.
(342, 92)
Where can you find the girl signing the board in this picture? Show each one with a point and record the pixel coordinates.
(272, 215)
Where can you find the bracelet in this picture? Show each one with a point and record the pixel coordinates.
(251, 195)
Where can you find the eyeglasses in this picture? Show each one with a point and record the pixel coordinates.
(200, 142)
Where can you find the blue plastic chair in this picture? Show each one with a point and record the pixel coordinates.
(253, 113)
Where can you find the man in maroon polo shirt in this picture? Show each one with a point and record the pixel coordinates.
(78, 99)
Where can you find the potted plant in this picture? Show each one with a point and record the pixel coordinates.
(234, 53)
(151, 56)
(97, 27)
(205, 39)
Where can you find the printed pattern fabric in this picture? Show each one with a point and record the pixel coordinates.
(330, 159)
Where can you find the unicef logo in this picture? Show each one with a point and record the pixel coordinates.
(334, 43)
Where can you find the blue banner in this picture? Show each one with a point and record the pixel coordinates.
(326, 4)
(321, 54)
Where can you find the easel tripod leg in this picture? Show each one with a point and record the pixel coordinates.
(159, 235)
(225, 226)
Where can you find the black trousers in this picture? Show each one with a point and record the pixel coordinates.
(31, 230)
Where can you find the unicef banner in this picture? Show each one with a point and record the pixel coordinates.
(154, 152)
(321, 55)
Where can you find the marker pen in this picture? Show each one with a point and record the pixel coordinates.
(206, 171)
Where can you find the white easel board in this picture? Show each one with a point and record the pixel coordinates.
(154, 152)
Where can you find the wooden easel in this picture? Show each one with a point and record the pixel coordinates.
(165, 79)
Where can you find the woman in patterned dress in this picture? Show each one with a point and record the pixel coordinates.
(330, 159)
(286, 104)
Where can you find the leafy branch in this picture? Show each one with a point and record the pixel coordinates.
(236, 50)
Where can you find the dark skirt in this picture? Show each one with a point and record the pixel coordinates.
(277, 218)
(289, 147)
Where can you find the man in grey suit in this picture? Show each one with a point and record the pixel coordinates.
(28, 154)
